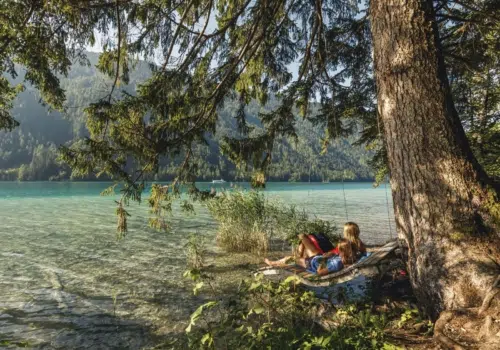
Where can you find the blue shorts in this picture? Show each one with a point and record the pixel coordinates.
(333, 264)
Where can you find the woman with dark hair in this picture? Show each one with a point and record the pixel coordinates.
(311, 259)
(305, 252)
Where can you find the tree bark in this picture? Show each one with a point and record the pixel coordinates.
(445, 206)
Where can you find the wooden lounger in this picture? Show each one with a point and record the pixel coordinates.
(370, 266)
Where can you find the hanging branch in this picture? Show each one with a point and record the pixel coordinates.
(119, 28)
(117, 73)
(174, 38)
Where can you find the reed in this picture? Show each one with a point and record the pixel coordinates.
(248, 220)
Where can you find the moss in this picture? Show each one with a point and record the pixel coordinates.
(458, 236)
(492, 205)
(19, 344)
(489, 207)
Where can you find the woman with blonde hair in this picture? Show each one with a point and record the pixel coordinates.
(351, 234)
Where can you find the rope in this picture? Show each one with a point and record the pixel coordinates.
(343, 171)
(387, 206)
(345, 200)
(326, 42)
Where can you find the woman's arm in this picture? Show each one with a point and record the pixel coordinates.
(329, 266)
(322, 271)
(334, 251)
(362, 249)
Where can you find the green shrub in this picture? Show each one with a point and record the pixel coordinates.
(294, 221)
(247, 220)
(265, 315)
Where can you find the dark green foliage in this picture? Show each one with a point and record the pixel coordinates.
(472, 44)
(42, 36)
(244, 58)
(470, 38)
(261, 315)
(293, 159)
(43, 165)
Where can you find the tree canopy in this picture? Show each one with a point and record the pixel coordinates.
(206, 53)
(42, 130)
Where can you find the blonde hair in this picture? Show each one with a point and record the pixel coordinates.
(347, 251)
(351, 233)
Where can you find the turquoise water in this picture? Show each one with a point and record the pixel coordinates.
(66, 282)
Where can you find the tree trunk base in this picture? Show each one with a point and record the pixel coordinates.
(439, 331)
(495, 288)
(467, 329)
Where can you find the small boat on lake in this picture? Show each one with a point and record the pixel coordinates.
(218, 181)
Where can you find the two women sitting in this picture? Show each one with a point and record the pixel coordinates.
(311, 257)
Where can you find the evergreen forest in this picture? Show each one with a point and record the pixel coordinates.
(30, 152)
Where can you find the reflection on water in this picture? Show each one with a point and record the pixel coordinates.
(65, 282)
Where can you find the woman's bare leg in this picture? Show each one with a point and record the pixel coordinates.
(309, 249)
(301, 262)
(285, 260)
(300, 251)
(279, 262)
(306, 249)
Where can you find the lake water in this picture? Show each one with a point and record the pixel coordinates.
(67, 283)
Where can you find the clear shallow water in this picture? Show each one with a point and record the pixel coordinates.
(66, 283)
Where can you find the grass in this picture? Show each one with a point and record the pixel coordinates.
(248, 220)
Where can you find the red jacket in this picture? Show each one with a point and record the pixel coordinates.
(316, 244)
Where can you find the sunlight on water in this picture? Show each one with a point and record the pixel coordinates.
(65, 282)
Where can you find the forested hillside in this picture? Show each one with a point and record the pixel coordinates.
(29, 152)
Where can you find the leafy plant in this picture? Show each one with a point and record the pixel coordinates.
(408, 315)
(160, 202)
(262, 314)
(195, 250)
(247, 220)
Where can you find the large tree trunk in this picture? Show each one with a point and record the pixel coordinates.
(445, 206)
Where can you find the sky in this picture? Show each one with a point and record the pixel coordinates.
(212, 26)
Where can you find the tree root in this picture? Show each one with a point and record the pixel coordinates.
(492, 292)
(485, 332)
(439, 335)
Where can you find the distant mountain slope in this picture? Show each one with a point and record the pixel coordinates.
(30, 151)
